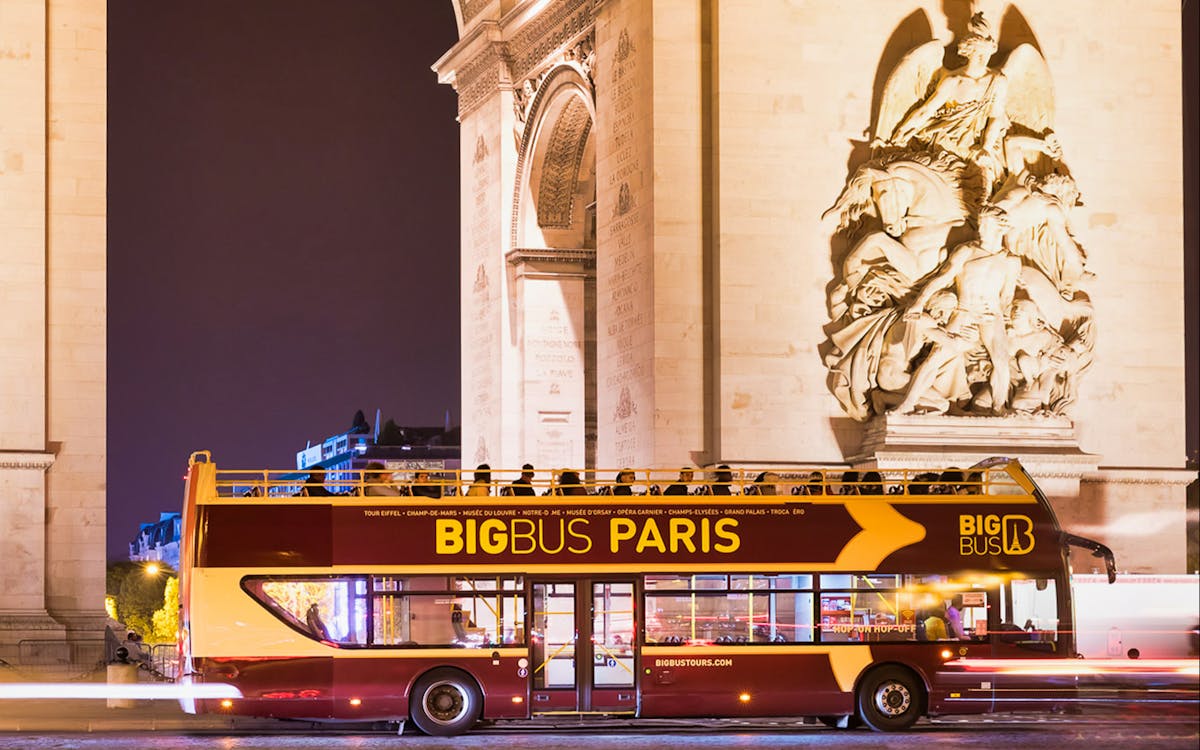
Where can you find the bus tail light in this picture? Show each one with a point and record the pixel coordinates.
(518, 699)
(356, 702)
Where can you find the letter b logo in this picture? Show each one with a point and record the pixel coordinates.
(1018, 535)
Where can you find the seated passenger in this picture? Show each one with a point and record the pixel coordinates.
(849, 483)
(922, 484)
(569, 484)
(482, 486)
(764, 483)
(872, 483)
(816, 483)
(949, 482)
(378, 481)
(722, 478)
(624, 484)
(315, 486)
(935, 625)
(422, 486)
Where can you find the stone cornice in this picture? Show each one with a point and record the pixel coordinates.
(26, 460)
(481, 77)
(522, 255)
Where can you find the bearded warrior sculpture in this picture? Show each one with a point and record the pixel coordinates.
(960, 287)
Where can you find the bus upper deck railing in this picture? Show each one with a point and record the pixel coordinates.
(617, 483)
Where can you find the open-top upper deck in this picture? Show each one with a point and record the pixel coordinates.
(990, 517)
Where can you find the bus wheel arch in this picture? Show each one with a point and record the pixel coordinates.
(445, 701)
(891, 697)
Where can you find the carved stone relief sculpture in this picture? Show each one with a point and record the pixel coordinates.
(958, 285)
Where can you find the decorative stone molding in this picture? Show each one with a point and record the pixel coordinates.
(472, 8)
(480, 77)
(26, 460)
(535, 44)
(576, 256)
(1142, 476)
(958, 287)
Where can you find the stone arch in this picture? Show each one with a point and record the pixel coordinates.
(552, 262)
(556, 160)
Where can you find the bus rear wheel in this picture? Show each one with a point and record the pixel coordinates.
(445, 702)
(890, 699)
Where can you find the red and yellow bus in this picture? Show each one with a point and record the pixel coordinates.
(877, 607)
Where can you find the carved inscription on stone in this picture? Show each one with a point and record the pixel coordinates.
(959, 284)
(482, 327)
(625, 278)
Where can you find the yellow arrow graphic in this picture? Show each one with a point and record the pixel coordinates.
(884, 530)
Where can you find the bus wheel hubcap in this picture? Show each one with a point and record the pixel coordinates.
(893, 698)
(445, 703)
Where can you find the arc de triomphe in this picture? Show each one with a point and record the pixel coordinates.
(647, 279)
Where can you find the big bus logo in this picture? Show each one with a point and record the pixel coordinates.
(995, 535)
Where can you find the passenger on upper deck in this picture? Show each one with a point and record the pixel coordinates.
(315, 486)
(722, 478)
(849, 483)
(569, 484)
(681, 487)
(482, 486)
(950, 482)
(378, 481)
(764, 484)
(872, 484)
(973, 484)
(624, 485)
(816, 484)
(423, 487)
(522, 486)
(922, 484)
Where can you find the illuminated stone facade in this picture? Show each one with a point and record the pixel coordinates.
(648, 281)
(52, 330)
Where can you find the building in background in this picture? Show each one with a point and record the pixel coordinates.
(345, 454)
(158, 541)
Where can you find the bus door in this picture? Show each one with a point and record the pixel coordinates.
(583, 637)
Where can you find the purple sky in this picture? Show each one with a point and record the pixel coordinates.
(283, 233)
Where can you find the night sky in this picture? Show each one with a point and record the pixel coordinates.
(283, 233)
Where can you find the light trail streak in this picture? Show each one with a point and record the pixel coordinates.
(92, 691)
(1067, 667)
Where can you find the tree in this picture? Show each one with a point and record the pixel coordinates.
(138, 593)
(166, 620)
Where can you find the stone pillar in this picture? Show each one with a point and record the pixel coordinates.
(52, 339)
(555, 324)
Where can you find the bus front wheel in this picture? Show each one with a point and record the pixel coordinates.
(890, 699)
(445, 702)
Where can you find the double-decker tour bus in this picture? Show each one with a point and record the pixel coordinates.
(802, 595)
